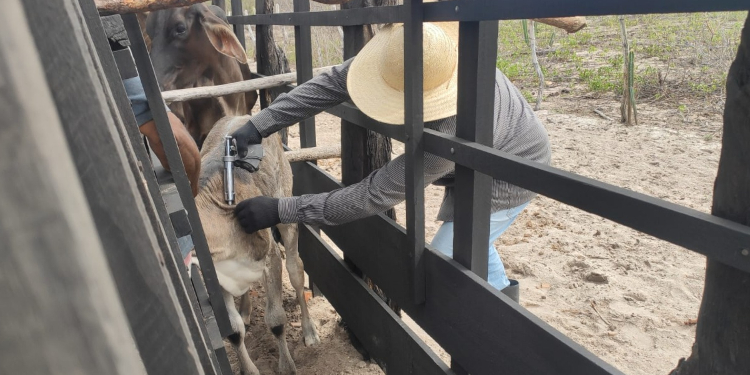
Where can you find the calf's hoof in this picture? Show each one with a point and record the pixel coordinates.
(287, 368)
(311, 338)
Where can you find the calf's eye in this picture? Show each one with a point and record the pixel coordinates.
(180, 29)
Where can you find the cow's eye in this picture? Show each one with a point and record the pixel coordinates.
(180, 29)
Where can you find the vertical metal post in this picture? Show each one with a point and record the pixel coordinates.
(476, 79)
(221, 4)
(477, 53)
(414, 124)
(260, 49)
(239, 30)
(303, 53)
(155, 102)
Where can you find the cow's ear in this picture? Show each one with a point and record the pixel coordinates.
(223, 39)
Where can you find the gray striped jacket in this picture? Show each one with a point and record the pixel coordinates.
(517, 132)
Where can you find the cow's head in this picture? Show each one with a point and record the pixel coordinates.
(185, 42)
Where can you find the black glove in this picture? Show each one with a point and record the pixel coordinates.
(257, 213)
(247, 135)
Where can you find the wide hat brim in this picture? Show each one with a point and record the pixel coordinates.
(378, 100)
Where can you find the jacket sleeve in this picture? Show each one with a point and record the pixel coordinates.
(380, 191)
(306, 100)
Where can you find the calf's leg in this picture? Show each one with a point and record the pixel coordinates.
(246, 309)
(247, 367)
(296, 270)
(275, 314)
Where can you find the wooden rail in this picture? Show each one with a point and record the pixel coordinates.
(235, 87)
(109, 7)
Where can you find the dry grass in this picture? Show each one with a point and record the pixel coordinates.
(679, 58)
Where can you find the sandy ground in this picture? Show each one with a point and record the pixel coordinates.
(637, 313)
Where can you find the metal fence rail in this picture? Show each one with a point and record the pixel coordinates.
(478, 10)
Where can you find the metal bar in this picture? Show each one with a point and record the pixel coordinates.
(477, 53)
(490, 10)
(721, 239)
(483, 10)
(210, 329)
(385, 336)
(414, 124)
(220, 3)
(461, 312)
(260, 49)
(303, 50)
(153, 94)
(348, 17)
(239, 30)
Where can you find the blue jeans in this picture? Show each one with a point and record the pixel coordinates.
(499, 223)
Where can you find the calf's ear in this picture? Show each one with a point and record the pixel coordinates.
(223, 39)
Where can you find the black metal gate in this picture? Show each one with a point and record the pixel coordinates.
(441, 294)
(92, 221)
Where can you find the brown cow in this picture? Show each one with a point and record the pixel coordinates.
(242, 259)
(193, 47)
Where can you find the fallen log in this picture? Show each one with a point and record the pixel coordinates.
(235, 87)
(569, 24)
(314, 153)
(110, 7)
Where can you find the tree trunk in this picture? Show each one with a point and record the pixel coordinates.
(270, 58)
(722, 339)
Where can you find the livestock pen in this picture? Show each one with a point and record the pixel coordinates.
(448, 298)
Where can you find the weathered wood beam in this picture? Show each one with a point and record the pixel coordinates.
(314, 153)
(332, 2)
(109, 7)
(569, 24)
(235, 87)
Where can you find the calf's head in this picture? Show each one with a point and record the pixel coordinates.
(187, 44)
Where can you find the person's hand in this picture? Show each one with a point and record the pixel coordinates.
(257, 213)
(245, 136)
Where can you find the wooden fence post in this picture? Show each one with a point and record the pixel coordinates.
(105, 166)
(60, 312)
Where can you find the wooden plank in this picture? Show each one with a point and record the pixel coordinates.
(235, 87)
(103, 164)
(381, 331)
(150, 194)
(60, 311)
(720, 239)
(109, 7)
(461, 311)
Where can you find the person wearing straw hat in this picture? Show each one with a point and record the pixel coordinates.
(374, 82)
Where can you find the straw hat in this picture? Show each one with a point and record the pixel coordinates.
(376, 75)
